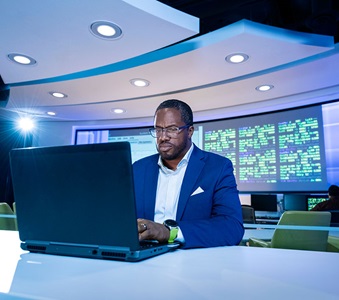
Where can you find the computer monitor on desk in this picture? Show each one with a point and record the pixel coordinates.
(264, 202)
(295, 202)
(265, 207)
(313, 200)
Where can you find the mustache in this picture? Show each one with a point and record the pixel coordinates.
(165, 144)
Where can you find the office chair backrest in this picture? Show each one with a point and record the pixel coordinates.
(7, 223)
(302, 239)
(248, 214)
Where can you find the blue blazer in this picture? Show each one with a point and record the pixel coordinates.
(210, 218)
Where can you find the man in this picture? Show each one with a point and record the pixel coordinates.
(332, 203)
(185, 194)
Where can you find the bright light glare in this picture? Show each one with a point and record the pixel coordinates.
(26, 124)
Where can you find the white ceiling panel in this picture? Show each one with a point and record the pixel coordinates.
(95, 74)
(57, 34)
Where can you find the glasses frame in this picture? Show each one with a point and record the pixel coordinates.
(153, 133)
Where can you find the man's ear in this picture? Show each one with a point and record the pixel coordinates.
(190, 131)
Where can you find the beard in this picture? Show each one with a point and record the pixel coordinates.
(175, 152)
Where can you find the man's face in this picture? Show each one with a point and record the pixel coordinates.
(172, 148)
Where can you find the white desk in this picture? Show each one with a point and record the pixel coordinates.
(215, 273)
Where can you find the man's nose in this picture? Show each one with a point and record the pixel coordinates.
(163, 135)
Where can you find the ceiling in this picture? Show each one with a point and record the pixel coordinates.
(178, 46)
(312, 16)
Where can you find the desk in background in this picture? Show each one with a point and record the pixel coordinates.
(262, 234)
(265, 231)
(216, 273)
(267, 217)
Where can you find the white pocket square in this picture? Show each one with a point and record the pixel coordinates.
(198, 191)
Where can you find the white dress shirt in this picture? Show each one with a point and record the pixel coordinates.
(168, 191)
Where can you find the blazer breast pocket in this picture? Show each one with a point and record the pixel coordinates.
(198, 206)
(199, 190)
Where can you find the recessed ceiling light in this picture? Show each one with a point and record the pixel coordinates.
(22, 59)
(106, 30)
(139, 82)
(264, 87)
(237, 58)
(117, 110)
(51, 113)
(58, 94)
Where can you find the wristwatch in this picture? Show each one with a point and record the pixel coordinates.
(173, 227)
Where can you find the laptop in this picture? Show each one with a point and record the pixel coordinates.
(79, 200)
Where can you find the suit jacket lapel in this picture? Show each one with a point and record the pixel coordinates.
(194, 168)
(151, 190)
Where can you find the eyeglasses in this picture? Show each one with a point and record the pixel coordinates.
(172, 131)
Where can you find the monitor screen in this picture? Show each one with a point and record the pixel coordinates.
(313, 200)
(262, 202)
(288, 151)
(295, 202)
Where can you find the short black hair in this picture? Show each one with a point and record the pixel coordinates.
(184, 108)
(333, 190)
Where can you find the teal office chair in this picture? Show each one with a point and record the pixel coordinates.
(316, 240)
(7, 223)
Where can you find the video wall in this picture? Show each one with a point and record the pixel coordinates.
(293, 150)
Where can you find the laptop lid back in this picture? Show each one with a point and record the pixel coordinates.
(81, 194)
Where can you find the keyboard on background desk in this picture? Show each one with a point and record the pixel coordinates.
(267, 220)
(267, 217)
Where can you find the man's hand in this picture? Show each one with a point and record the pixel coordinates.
(149, 230)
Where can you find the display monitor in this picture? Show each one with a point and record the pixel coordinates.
(295, 202)
(264, 202)
(313, 200)
(287, 151)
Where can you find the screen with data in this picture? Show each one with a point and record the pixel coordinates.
(277, 152)
(286, 151)
(313, 200)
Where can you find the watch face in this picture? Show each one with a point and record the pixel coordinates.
(171, 223)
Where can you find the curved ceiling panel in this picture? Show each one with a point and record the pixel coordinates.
(194, 69)
(96, 74)
(57, 34)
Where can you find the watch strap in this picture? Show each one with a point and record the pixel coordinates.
(173, 234)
